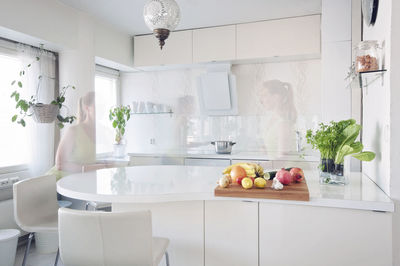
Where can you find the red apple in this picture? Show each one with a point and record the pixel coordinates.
(297, 174)
(284, 176)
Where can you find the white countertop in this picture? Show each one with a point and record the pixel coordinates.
(235, 155)
(183, 183)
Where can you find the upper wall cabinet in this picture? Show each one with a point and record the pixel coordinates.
(214, 44)
(290, 38)
(177, 49)
(298, 36)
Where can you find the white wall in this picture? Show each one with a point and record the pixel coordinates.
(376, 104)
(336, 59)
(395, 127)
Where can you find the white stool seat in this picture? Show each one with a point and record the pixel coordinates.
(8, 246)
(7, 234)
(160, 245)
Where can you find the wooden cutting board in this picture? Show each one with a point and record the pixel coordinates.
(293, 191)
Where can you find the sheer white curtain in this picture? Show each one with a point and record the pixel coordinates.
(40, 136)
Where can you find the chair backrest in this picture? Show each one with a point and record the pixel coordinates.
(35, 199)
(105, 238)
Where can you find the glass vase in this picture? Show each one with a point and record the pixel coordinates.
(327, 167)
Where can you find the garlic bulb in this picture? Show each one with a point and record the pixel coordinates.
(276, 184)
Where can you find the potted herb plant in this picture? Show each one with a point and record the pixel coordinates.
(119, 116)
(41, 112)
(335, 141)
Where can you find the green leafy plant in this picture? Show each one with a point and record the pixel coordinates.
(349, 146)
(119, 116)
(337, 140)
(23, 106)
(328, 137)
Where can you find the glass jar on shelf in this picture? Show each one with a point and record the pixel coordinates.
(367, 56)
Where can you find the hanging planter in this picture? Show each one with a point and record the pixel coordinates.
(44, 113)
(41, 112)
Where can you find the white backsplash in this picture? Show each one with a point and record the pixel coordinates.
(267, 120)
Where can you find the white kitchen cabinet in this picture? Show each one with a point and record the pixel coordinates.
(214, 44)
(315, 236)
(180, 222)
(267, 165)
(149, 160)
(207, 162)
(231, 233)
(301, 164)
(177, 49)
(291, 37)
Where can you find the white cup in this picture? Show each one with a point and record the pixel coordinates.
(135, 106)
(141, 107)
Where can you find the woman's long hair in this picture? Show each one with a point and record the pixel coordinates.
(85, 101)
(285, 91)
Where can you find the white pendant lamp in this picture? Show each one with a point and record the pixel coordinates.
(161, 16)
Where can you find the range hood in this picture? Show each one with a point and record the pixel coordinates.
(217, 91)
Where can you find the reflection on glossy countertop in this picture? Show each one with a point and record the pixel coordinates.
(181, 183)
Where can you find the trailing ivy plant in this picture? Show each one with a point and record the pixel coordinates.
(23, 105)
(119, 116)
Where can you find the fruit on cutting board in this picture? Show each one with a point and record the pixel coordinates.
(252, 169)
(260, 182)
(272, 174)
(297, 174)
(223, 182)
(237, 172)
(284, 176)
(247, 183)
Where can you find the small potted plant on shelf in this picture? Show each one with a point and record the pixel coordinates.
(119, 116)
(335, 141)
(41, 112)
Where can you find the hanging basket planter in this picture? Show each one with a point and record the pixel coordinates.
(44, 113)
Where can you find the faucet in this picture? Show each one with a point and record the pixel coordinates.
(299, 138)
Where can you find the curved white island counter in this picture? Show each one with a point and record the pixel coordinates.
(340, 225)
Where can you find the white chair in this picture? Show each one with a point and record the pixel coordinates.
(96, 205)
(109, 238)
(35, 207)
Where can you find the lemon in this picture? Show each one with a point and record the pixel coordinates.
(247, 183)
(260, 182)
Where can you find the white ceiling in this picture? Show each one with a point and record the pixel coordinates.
(127, 15)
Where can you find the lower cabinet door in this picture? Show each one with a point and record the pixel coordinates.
(315, 236)
(180, 222)
(231, 233)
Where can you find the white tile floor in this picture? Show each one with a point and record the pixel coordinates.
(34, 258)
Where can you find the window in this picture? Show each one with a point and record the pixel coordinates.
(107, 92)
(14, 144)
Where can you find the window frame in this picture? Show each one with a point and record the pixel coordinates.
(103, 71)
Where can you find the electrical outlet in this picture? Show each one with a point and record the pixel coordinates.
(14, 179)
(152, 141)
(4, 182)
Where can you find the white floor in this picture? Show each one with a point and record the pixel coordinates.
(34, 258)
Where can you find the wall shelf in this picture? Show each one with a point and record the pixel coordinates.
(154, 113)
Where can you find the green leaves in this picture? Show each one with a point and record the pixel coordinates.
(14, 118)
(365, 156)
(20, 84)
(119, 116)
(338, 140)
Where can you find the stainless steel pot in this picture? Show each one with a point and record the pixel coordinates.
(223, 146)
